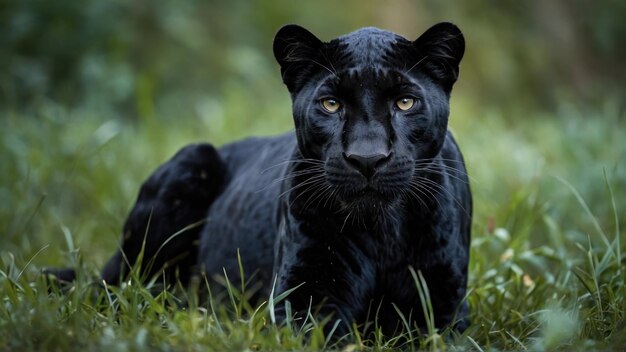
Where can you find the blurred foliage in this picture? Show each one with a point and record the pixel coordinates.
(177, 58)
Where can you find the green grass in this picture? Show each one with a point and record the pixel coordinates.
(547, 263)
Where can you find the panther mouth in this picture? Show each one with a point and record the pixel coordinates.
(368, 193)
(366, 204)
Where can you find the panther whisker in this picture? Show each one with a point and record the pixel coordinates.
(409, 193)
(326, 192)
(310, 187)
(446, 168)
(418, 187)
(443, 173)
(316, 195)
(323, 194)
(331, 195)
(345, 221)
(303, 160)
(308, 171)
(422, 185)
(437, 186)
(430, 189)
(309, 190)
(416, 64)
(439, 159)
(308, 181)
(330, 62)
(312, 179)
(434, 163)
(326, 68)
(443, 166)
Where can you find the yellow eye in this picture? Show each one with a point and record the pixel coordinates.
(405, 103)
(331, 105)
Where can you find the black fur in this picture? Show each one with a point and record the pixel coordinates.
(347, 205)
(351, 236)
(168, 216)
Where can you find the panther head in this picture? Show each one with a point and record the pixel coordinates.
(370, 105)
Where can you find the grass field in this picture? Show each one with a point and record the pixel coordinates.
(547, 265)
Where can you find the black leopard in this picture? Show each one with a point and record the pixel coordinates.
(368, 192)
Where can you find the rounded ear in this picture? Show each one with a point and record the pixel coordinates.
(442, 47)
(294, 49)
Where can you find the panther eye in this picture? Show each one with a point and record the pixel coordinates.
(405, 103)
(331, 105)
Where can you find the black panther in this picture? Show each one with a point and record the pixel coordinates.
(369, 189)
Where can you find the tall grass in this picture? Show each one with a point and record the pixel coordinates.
(547, 262)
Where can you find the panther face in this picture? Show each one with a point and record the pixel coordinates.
(371, 106)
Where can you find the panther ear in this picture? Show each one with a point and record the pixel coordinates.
(441, 47)
(295, 48)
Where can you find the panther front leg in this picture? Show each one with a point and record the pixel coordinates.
(330, 280)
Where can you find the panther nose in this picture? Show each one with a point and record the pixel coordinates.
(366, 164)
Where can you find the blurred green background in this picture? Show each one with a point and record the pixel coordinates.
(174, 59)
(95, 94)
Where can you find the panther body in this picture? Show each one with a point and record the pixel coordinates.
(368, 193)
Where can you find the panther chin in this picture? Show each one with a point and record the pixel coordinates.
(368, 200)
